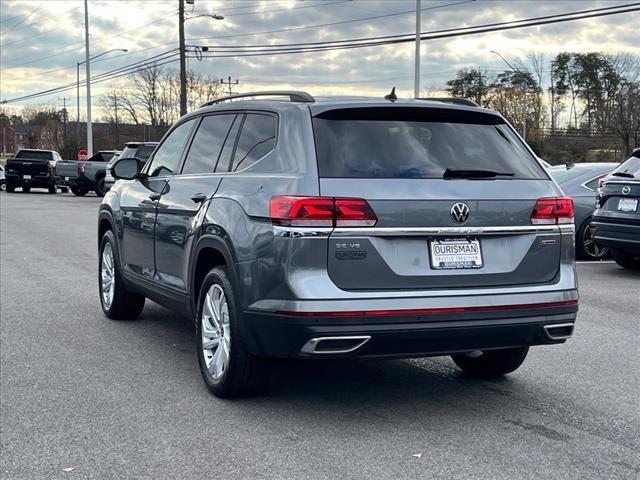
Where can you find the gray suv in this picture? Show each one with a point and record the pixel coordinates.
(298, 227)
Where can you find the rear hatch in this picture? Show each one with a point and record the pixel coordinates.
(619, 195)
(453, 191)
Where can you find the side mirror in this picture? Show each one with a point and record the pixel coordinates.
(127, 168)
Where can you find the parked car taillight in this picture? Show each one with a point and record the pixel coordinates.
(553, 210)
(321, 212)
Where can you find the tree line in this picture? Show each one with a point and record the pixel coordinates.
(594, 94)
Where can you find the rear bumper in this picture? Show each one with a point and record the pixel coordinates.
(81, 182)
(37, 181)
(622, 234)
(409, 334)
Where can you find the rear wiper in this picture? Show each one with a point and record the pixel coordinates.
(623, 174)
(455, 173)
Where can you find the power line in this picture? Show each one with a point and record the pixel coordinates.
(331, 24)
(435, 34)
(21, 21)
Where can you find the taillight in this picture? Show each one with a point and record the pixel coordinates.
(81, 167)
(321, 212)
(552, 210)
(354, 212)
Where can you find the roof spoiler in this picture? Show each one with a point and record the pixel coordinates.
(454, 100)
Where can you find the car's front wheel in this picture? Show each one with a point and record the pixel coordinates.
(79, 193)
(117, 302)
(626, 259)
(26, 189)
(491, 363)
(227, 368)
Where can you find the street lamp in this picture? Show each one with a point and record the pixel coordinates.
(78, 87)
(524, 87)
(183, 51)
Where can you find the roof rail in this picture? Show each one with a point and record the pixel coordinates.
(454, 100)
(294, 96)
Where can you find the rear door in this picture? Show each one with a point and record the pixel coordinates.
(453, 192)
(187, 193)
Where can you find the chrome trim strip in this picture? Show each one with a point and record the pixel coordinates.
(615, 225)
(633, 181)
(558, 325)
(298, 232)
(407, 231)
(311, 345)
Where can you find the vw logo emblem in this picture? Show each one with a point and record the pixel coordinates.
(626, 190)
(460, 212)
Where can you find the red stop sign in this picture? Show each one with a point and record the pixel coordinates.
(83, 155)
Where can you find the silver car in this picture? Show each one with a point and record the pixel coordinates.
(291, 226)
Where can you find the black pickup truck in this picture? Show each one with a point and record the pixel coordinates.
(32, 168)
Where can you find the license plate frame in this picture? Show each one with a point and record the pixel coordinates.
(628, 205)
(439, 260)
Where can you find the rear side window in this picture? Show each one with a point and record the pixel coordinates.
(207, 144)
(399, 142)
(257, 138)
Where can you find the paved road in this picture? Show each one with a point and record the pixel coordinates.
(125, 399)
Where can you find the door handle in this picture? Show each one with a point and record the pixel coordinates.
(155, 196)
(199, 198)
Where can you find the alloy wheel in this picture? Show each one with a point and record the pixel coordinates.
(215, 331)
(107, 275)
(590, 246)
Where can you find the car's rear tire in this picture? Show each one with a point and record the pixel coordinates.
(78, 193)
(10, 188)
(586, 246)
(100, 189)
(491, 363)
(117, 302)
(64, 189)
(3, 186)
(26, 189)
(228, 369)
(53, 188)
(626, 259)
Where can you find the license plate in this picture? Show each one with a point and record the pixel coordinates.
(455, 254)
(628, 204)
(66, 179)
(26, 177)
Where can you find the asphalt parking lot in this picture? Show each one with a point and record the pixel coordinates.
(114, 399)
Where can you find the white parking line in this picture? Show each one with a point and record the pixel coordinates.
(592, 262)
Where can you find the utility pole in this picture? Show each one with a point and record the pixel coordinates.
(88, 64)
(78, 103)
(115, 106)
(183, 60)
(416, 81)
(64, 115)
(229, 84)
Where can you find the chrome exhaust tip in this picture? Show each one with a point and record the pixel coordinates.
(334, 345)
(558, 331)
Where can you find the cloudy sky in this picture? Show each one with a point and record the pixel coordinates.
(41, 40)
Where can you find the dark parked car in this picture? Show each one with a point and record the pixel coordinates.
(85, 175)
(141, 150)
(32, 168)
(342, 227)
(580, 182)
(616, 222)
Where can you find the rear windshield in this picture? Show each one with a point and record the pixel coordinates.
(631, 166)
(143, 152)
(34, 154)
(417, 143)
